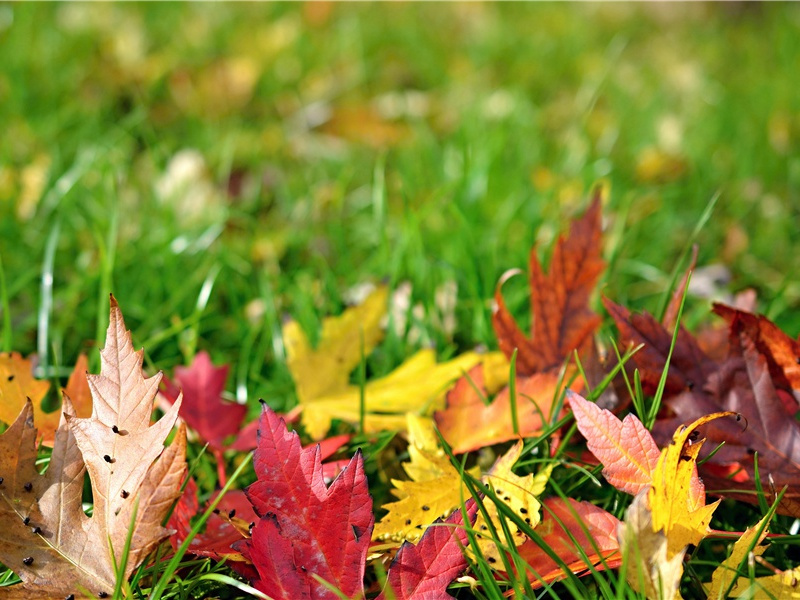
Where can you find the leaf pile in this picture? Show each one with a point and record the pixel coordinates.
(480, 462)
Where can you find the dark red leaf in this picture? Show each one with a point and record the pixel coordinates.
(780, 351)
(220, 532)
(424, 571)
(689, 367)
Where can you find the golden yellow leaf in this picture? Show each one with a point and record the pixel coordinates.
(677, 505)
(725, 573)
(434, 491)
(418, 385)
(781, 586)
(16, 385)
(326, 369)
(520, 494)
(648, 570)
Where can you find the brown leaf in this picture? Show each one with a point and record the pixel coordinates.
(781, 352)
(743, 385)
(46, 537)
(562, 319)
(688, 368)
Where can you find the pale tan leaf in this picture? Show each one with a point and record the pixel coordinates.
(648, 569)
(45, 536)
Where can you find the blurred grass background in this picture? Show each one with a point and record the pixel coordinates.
(219, 166)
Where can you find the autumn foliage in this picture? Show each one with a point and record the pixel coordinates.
(482, 459)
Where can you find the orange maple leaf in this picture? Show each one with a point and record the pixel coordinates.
(469, 422)
(562, 319)
(17, 384)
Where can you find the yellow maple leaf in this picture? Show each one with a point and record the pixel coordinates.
(782, 585)
(418, 385)
(520, 494)
(17, 384)
(677, 505)
(326, 369)
(435, 488)
(724, 574)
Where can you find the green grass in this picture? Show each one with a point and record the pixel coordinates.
(461, 134)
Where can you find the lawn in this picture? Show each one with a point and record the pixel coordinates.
(224, 168)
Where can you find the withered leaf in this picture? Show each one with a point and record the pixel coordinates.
(70, 551)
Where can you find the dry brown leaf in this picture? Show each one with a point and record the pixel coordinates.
(46, 537)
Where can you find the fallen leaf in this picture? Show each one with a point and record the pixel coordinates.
(78, 388)
(203, 408)
(649, 571)
(518, 493)
(417, 385)
(724, 575)
(767, 431)
(46, 537)
(344, 342)
(424, 571)
(229, 524)
(434, 490)
(17, 384)
(779, 350)
(305, 529)
(362, 124)
(780, 586)
(688, 367)
(562, 319)
(627, 450)
(468, 422)
(581, 534)
(678, 505)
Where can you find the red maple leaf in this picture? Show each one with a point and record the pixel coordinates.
(203, 408)
(424, 571)
(562, 319)
(306, 529)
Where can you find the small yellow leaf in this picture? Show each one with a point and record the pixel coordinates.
(723, 575)
(781, 586)
(435, 490)
(678, 508)
(648, 570)
(520, 494)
